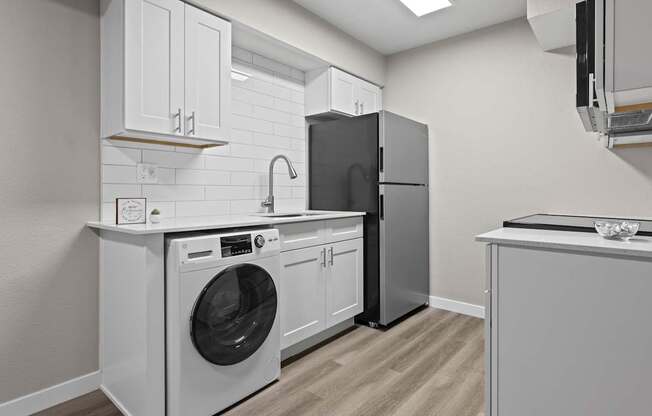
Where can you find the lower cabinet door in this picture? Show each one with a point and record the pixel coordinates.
(302, 294)
(344, 281)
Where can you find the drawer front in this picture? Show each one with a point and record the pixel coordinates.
(344, 229)
(301, 234)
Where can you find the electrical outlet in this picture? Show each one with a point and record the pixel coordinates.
(147, 173)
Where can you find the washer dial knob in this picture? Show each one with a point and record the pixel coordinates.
(259, 241)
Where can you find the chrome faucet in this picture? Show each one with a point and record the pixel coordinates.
(268, 203)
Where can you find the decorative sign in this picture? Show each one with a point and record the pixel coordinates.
(130, 211)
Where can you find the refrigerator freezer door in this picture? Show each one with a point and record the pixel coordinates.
(343, 164)
(404, 255)
(403, 150)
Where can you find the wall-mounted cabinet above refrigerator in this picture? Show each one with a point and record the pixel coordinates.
(332, 93)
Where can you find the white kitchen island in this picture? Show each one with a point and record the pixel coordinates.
(567, 324)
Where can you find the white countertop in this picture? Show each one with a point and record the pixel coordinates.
(590, 242)
(175, 225)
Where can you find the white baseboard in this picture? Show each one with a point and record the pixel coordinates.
(51, 396)
(457, 306)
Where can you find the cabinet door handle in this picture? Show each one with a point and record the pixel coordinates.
(357, 105)
(331, 253)
(192, 119)
(177, 116)
(382, 207)
(361, 108)
(323, 257)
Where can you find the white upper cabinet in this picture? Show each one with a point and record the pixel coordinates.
(154, 44)
(335, 92)
(343, 92)
(208, 75)
(165, 73)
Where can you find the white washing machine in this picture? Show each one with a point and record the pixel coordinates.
(222, 319)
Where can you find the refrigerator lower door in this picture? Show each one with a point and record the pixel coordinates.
(403, 152)
(404, 254)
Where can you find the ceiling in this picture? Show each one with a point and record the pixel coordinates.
(389, 27)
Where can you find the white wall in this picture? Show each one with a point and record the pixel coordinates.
(297, 27)
(49, 188)
(268, 119)
(505, 141)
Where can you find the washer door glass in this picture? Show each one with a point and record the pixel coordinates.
(234, 314)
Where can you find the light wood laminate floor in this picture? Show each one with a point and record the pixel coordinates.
(432, 364)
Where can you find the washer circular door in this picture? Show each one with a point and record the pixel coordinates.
(234, 314)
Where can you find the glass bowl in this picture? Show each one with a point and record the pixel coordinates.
(617, 230)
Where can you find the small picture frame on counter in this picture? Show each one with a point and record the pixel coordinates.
(130, 211)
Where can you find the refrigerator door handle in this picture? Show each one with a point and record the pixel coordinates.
(382, 207)
(381, 158)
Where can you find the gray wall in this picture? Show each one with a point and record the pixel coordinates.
(49, 186)
(294, 25)
(505, 140)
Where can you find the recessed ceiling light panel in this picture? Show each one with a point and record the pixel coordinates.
(423, 7)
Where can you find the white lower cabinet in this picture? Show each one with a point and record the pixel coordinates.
(321, 277)
(302, 294)
(344, 281)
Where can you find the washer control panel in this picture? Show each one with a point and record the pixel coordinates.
(201, 249)
(236, 245)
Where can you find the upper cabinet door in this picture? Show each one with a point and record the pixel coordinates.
(369, 97)
(154, 70)
(343, 92)
(208, 75)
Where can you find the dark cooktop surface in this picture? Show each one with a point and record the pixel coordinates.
(569, 223)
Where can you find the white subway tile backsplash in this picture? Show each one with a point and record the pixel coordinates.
(269, 114)
(166, 176)
(252, 124)
(289, 107)
(173, 192)
(201, 177)
(252, 97)
(246, 206)
(290, 131)
(174, 159)
(298, 75)
(297, 97)
(229, 193)
(267, 120)
(230, 164)
(111, 191)
(237, 136)
(242, 108)
(271, 65)
(202, 208)
(119, 174)
(248, 179)
(242, 55)
(112, 155)
(269, 140)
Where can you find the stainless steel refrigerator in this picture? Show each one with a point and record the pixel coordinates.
(378, 163)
